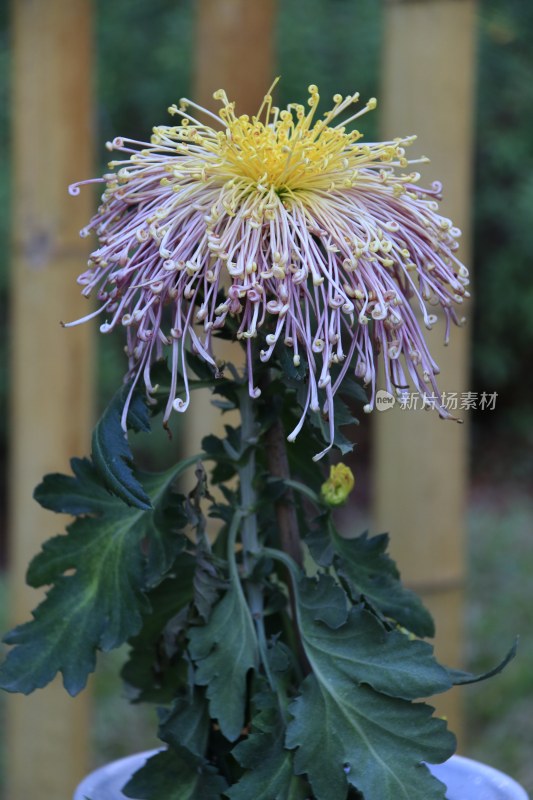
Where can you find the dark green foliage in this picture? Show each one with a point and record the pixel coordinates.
(372, 742)
(224, 650)
(269, 765)
(209, 632)
(358, 671)
(247, 655)
(175, 776)
(369, 572)
(110, 547)
(155, 670)
(111, 453)
(361, 647)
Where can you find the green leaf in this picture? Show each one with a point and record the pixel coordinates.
(187, 724)
(319, 542)
(270, 774)
(175, 776)
(77, 494)
(224, 650)
(111, 452)
(207, 584)
(341, 416)
(324, 600)
(461, 678)
(102, 603)
(347, 735)
(361, 649)
(288, 368)
(269, 765)
(347, 727)
(369, 571)
(155, 668)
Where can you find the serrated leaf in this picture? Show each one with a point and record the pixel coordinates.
(101, 604)
(373, 741)
(164, 534)
(269, 765)
(224, 651)
(351, 388)
(76, 494)
(364, 563)
(270, 773)
(324, 600)
(187, 724)
(111, 453)
(173, 776)
(361, 649)
(320, 545)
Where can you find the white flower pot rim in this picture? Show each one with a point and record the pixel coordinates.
(465, 778)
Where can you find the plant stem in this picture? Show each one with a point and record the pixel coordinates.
(287, 520)
(278, 466)
(246, 472)
(292, 555)
(250, 539)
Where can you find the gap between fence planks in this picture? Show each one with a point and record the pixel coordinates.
(420, 461)
(51, 368)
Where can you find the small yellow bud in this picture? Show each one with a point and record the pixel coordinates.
(338, 486)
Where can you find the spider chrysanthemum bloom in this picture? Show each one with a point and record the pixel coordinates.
(286, 221)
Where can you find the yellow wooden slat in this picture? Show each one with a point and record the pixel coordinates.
(51, 408)
(234, 51)
(420, 461)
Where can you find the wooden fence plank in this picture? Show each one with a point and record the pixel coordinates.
(420, 462)
(234, 51)
(51, 370)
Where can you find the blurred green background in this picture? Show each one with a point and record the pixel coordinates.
(144, 58)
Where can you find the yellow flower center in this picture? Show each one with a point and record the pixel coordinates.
(288, 150)
(283, 151)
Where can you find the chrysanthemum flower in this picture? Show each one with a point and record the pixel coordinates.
(290, 224)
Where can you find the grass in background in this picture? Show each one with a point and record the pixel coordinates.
(500, 596)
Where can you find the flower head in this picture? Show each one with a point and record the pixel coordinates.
(336, 490)
(290, 224)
